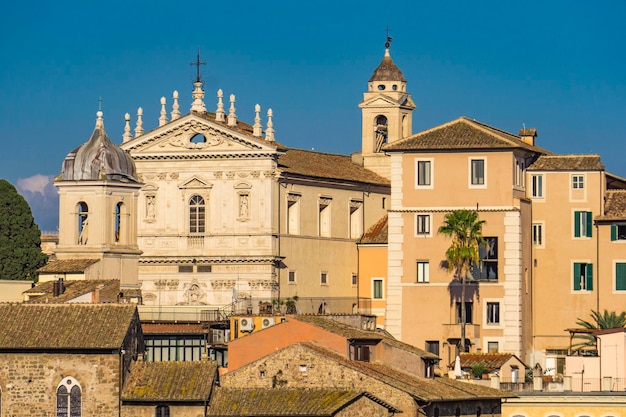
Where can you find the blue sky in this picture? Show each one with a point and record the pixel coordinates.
(557, 66)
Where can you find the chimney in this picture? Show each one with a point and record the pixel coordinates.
(528, 135)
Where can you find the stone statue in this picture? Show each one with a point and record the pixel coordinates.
(82, 239)
(243, 205)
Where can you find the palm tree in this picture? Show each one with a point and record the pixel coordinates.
(606, 320)
(465, 229)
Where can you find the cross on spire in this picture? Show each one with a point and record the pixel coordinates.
(99, 103)
(197, 64)
(388, 43)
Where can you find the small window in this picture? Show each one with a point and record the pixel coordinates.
(423, 271)
(618, 232)
(185, 269)
(422, 224)
(538, 234)
(578, 182)
(302, 368)
(537, 188)
(620, 276)
(324, 278)
(355, 279)
(162, 411)
(493, 313)
(492, 347)
(205, 268)
(423, 173)
(377, 289)
(583, 276)
(292, 277)
(432, 346)
(478, 172)
(583, 224)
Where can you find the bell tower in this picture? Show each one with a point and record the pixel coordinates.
(387, 111)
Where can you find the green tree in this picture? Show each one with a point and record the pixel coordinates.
(465, 229)
(20, 237)
(606, 320)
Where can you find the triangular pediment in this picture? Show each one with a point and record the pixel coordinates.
(194, 133)
(195, 182)
(380, 100)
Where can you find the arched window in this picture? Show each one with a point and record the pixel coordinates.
(83, 223)
(69, 401)
(118, 221)
(162, 411)
(380, 128)
(196, 214)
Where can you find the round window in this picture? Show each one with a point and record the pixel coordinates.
(381, 87)
(394, 87)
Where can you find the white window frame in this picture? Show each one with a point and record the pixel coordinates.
(537, 191)
(422, 271)
(382, 288)
(428, 224)
(500, 304)
(542, 236)
(431, 184)
(295, 277)
(578, 181)
(471, 159)
(324, 278)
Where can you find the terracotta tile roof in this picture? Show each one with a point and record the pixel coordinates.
(64, 326)
(462, 133)
(280, 402)
(614, 205)
(170, 381)
(69, 266)
(614, 182)
(173, 328)
(422, 389)
(492, 361)
(44, 292)
(350, 332)
(567, 163)
(378, 233)
(325, 165)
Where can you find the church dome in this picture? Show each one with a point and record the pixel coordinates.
(98, 159)
(387, 70)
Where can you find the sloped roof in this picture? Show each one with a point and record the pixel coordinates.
(325, 165)
(350, 332)
(422, 389)
(170, 381)
(68, 266)
(378, 233)
(64, 326)
(109, 290)
(387, 70)
(614, 206)
(460, 134)
(567, 163)
(282, 402)
(492, 361)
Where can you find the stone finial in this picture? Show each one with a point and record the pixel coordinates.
(163, 118)
(139, 127)
(175, 107)
(257, 129)
(232, 117)
(127, 135)
(198, 94)
(269, 132)
(219, 113)
(99, 120)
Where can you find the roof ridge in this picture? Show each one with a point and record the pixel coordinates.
(514, 139)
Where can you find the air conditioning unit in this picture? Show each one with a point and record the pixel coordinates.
(267, 322)
(246, 324)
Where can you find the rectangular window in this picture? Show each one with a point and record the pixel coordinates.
(583, 276)
(478, 171)
(487, 268)
(293, 214)
(468, 312)
(324, 278)
(292, 277)
(537, 191)
(423, 272)
(538, 234)
(422, 224)
(620, 276)
(355, 279)
(492, 347)
(618, 232)
(324, 217)
(423, 173)
(578, 182)
(582, 224)
(205, 268)
(493, 313)
(356, 219)
(360, 353)
(377, 289)
(185, 268)
(432, 346)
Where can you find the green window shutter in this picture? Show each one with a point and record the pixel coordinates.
(577, 276)
(620, 276)
(589, 277)
(577, 224)
(589, 224)
(613, 232)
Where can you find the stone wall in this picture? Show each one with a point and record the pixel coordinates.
(148, 410)
(29, 382)
(364, 407)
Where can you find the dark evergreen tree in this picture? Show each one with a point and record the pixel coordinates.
(20, 237)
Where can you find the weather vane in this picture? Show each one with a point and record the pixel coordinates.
(99, 103)
(197, 64)
(388, 43)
